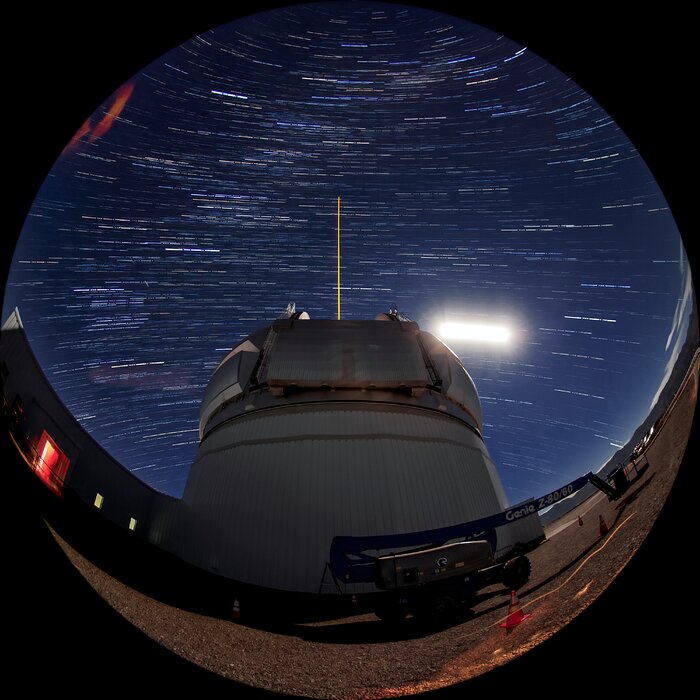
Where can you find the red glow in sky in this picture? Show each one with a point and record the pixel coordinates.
(105, 124)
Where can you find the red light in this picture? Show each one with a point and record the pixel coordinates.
(51, 463)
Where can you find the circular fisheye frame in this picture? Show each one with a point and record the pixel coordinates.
(349, 349)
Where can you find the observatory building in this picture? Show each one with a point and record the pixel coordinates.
(309, 429)
(315, 428)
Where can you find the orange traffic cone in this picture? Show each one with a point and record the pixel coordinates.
(603, 526)
(236, 612)
(580, 520)
(515, 613)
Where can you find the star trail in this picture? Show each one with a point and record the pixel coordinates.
(479, 185)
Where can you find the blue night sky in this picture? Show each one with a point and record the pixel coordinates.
(478, 182)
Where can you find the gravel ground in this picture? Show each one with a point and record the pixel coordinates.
(358, 657)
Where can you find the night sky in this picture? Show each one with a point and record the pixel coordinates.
(478, 182)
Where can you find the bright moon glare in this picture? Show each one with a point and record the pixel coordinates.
(475, 332)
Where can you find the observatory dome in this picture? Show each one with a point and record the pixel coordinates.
(312, 429)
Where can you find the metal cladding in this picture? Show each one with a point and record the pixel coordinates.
(232, 374)
(312, 429)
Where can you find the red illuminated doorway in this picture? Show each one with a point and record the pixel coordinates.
(51, 464)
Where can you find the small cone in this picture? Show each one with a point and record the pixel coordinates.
(603, 526)
(580, 520)
(236, 612)
(515, 613)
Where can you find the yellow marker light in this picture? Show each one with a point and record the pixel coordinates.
(132, 524)
(99, 498)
